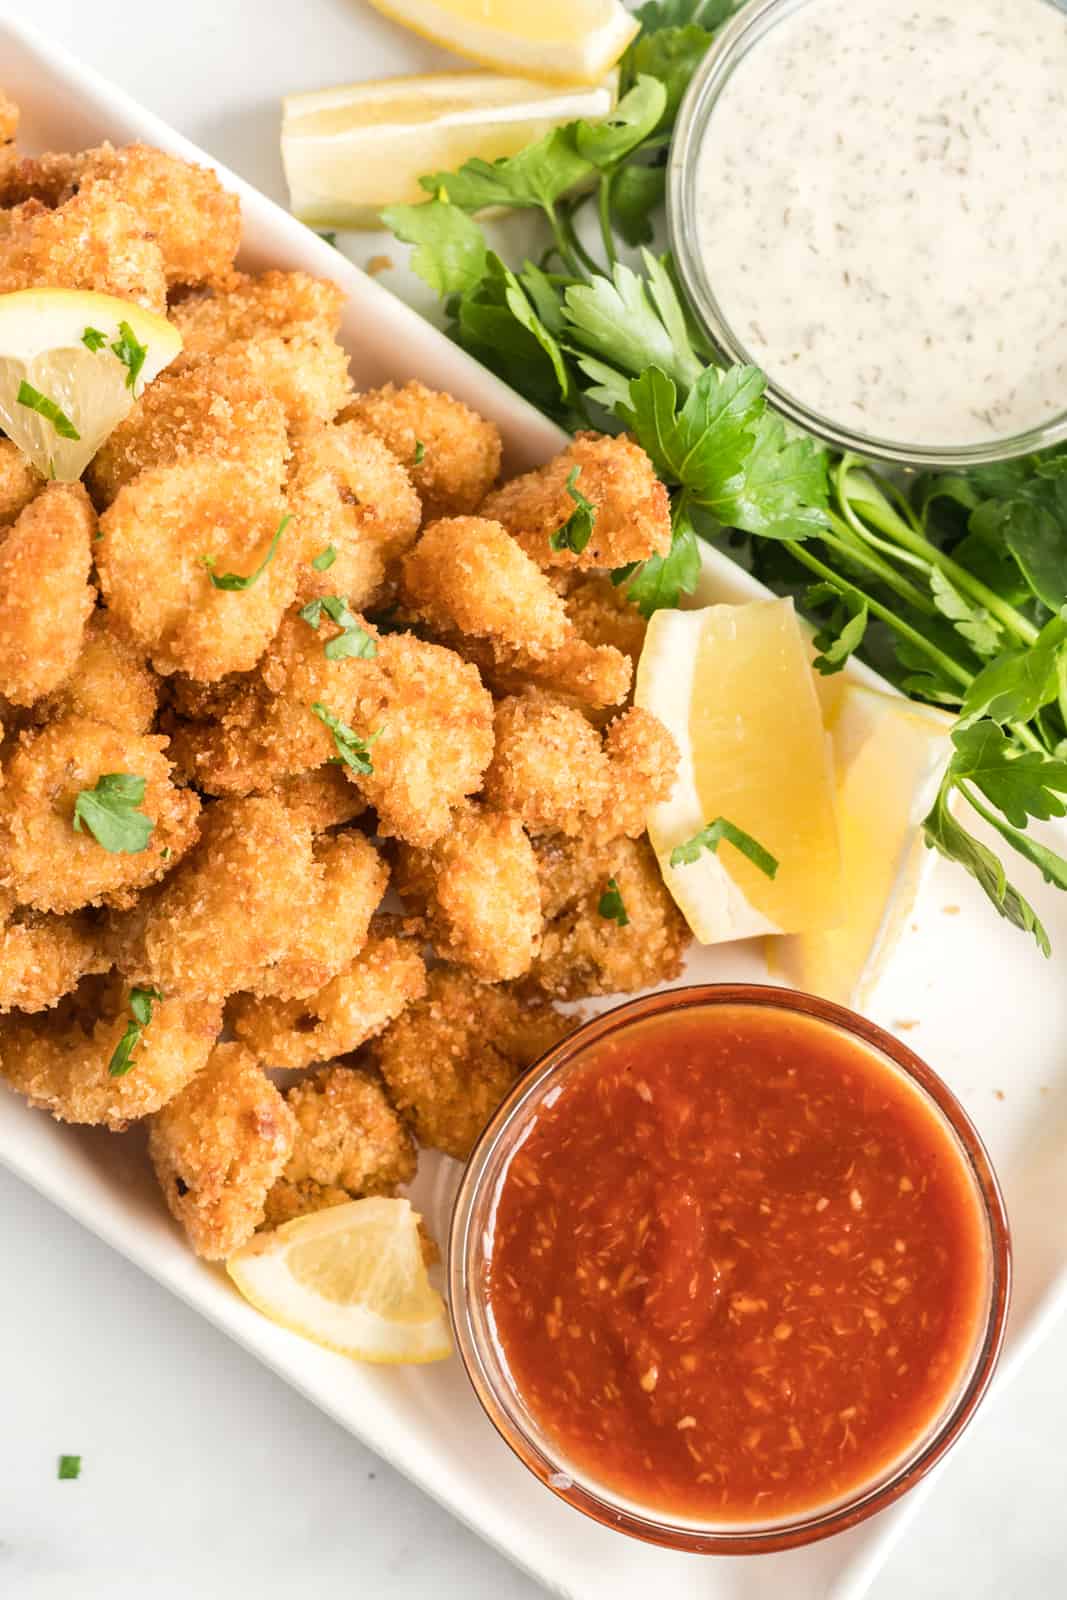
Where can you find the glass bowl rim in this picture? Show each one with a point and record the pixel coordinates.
(658, 1528)
(726, 52)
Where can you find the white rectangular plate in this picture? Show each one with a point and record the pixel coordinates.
(973, 996)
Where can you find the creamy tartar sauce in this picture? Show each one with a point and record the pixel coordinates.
(881, 204)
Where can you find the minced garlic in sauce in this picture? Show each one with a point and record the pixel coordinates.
(882, 214)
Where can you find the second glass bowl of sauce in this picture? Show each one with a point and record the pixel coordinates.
(729, 1269)
(865, 200)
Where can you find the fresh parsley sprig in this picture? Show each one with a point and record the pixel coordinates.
(109, 811)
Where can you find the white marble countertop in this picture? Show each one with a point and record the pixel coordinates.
(202, 1473)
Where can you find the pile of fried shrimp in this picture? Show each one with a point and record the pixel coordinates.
(468, 746)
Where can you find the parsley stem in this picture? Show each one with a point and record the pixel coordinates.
(567, 242)
(604, 213)
(867, 558)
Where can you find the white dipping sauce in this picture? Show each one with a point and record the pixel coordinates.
(881, 203)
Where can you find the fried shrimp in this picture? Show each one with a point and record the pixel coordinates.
(357, 497)
(631, 519)
(219, 1147)
(320, 799)
(386, 976)
(167, 535)
(601, 615)
(477, 888)
(450, 1058)
(43, 957)
(19, 481)
(53, 865)
(349, 881)
(45, 594)
(60, 1060)
(587, 950)
(305, 369)
(349, 1143)
(109, 682)
(271, 302)
(559, 774)
(93, 241)
(452, 454)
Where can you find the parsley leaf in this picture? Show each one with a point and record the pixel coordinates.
(662, 580)
(843, 632)
(671, 55)
(1021, 783)
(69, 1467)
(711, 836)
(34, 400)
(354, 641)
(93, 339)
(130, 352)
(633, 322)
(231, 581)
(141, 1007)
(536, 176)
(325, 559)
(972, 623)
(450, 248)
(351, 748)
(578, 528)
(634, 118)
(109, 812)
(950, 838)
(1017, 683)
(636, 192)
(420, 454)
(704, 445)
(610, 905)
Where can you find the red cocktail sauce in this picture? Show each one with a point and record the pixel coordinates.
(738, 1266)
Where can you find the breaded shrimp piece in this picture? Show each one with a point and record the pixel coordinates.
(357, 497)
(59, 1059)
(601, 615)
(556, 772)
(232, 909)
(386, 976)
(45, 594)
(270, 302)
(450, 1058)
(632, 514)
(19, 481)
(584, 952)
(320, 799)
(350, 879)
(433, 724)
(9, 127)
(459, 458)
(50, 178)
(163, 539)
(195, 412)
(93, 241)
(110, 682)
(305, 369)
(192, 218)
(477, 887)
(54, 867)
(218, 1148)
(43, 957)
(349, 1143)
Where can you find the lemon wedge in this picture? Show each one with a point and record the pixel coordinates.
(889, 757)
(350, 151)
(568, 41)
(734, 685)
(351, 1278)
(72, 363)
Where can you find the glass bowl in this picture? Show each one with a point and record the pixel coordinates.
(732, 44)
(470, 1244)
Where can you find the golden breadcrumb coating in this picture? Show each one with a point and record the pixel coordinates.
(305, 369)
(50, 178)
(359, 500)
(232, 909)
(45, 594)
(271, 302)
(60, 1058)
(348, 882)
(349, 1143)
(449, 1060)
(109, 682)
(559, 774)
(467, 575)
(602, 615)
(195, 412)
(9, 120)
(218, 1148)
(460, 451)
(152, 556)
(19, 481)
(585, 953)
(43, 957)
(320, 799)
(477, 887)
(632, 520)
(93, 241)
(53, 866)
(386, 976)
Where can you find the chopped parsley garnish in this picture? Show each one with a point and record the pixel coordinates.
(34, 400)
(354, 641)
(578, 528)
(350, 746)
(232, 580)
(93, 339)
(69, 1467)
(420, 453)
(610, 905)
(109, 811)
(130, 352)
(325, 559)
(710, 838)
(141, 1007)
(329, 238)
